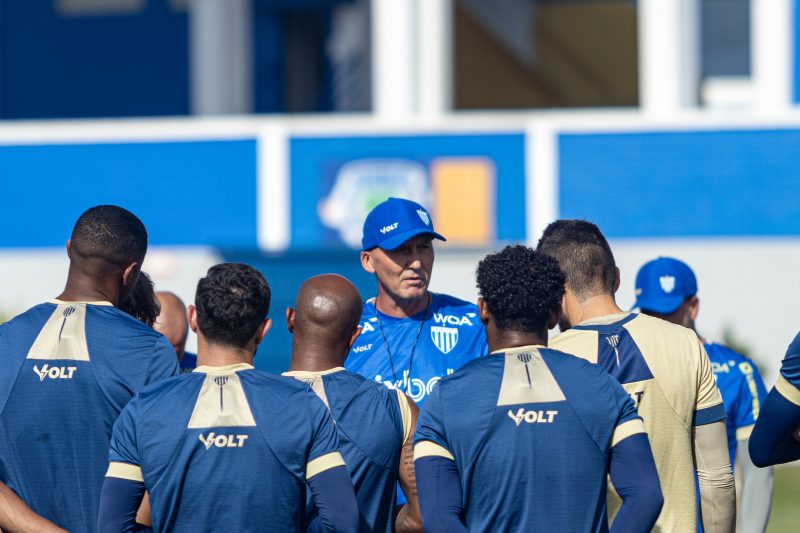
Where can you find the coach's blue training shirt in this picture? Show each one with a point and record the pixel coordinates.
(742, 391)
(530, 431)
(68, 369)
(372, 422)
(450, 335)
(225, 449)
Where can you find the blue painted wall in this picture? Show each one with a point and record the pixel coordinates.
(55, 66)
(683, 184)
(201, 193)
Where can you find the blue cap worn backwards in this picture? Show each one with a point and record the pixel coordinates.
(393, 222)
(663, 284)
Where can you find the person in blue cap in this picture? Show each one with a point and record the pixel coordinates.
(410, 337)
(667, 288)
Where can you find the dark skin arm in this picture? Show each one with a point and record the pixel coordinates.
(409, 519)
(15, 515)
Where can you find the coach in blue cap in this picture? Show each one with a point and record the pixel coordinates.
(410, 337)
(667, 288)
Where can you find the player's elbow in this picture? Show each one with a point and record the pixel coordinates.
(759, 456)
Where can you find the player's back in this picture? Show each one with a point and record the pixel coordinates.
(372, 423)
(69, 368)
(667, 373)
(225, 449)
(530, 431)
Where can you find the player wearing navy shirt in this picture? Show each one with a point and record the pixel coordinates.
(227, 447)
(410, 337)
(69, 368)
(374, 423)
(523, 440)
(667, 288)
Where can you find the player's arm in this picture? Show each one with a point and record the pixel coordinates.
(774, 439)
(633, 473)
(409, 519)
(120, 497)
(334, 496)
(15, 515)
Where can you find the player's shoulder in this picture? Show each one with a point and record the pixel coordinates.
(720, 353)
(446, 302)
(475, 369)
(27, 321)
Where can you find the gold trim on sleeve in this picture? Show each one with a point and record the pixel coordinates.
(788, 390)
(627, 429)
(125, 471)
(323, 463)
(426, 448)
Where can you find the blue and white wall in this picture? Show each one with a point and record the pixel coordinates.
(289, 195)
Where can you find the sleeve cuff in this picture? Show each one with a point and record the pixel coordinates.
(709, 415)
(405, 412)
(626, 429)
(323, 463)
(125, 471)
(787, 390)
(426, 448)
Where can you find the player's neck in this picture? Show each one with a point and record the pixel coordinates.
(508, 339)
(316, 356)
(83, 289)
(595, 306)
(211, 354)
(394, 306)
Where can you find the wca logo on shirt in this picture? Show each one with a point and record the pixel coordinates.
(222, 441)
(453, 320)
(532, 417)
(54, 372)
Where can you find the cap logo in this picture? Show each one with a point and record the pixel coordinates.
(424, 216)
(667, 283)
(386, 229)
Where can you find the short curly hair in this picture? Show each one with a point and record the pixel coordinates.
(141, 303)
(231, 301)
(521, 288)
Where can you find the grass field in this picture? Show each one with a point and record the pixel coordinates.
(785, 515)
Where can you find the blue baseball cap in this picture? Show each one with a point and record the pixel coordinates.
(663, 284)
(393, 222)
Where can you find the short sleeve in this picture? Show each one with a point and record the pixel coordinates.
(788, 383)
(324, 451)
(708, 408)
(164, 363)
(429, 438)
(628, 420)
(748, 401)
(123, 455)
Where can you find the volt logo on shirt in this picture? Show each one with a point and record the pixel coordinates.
(532, 417)
(222, 441)
(54, 372)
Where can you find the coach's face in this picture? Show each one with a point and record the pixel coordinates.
(404, 272)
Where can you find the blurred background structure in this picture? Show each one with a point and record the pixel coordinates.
(264, 130)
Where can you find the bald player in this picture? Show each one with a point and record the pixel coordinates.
(172, 323)
(374, 423)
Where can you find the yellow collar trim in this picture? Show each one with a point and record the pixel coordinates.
(516, 349)
(62, 302)
(227, 369)
(604, 320)
(308, 374)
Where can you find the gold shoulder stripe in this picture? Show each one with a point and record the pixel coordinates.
(405, 412)
(323, 463)
(125, 471)
(788, 390)
(426, 448)
(743, 433)
(627, 429)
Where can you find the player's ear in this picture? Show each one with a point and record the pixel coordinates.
(69, 248)
(366, 262)
(694, 307)
(355, 335)
(130, 274)
(483, 311)
(263, 328)
(191, 316)
(616, 280)
(290, 316)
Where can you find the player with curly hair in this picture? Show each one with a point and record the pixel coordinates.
(523, 440)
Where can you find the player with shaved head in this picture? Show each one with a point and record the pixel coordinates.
(172, 323)
(374, 423)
